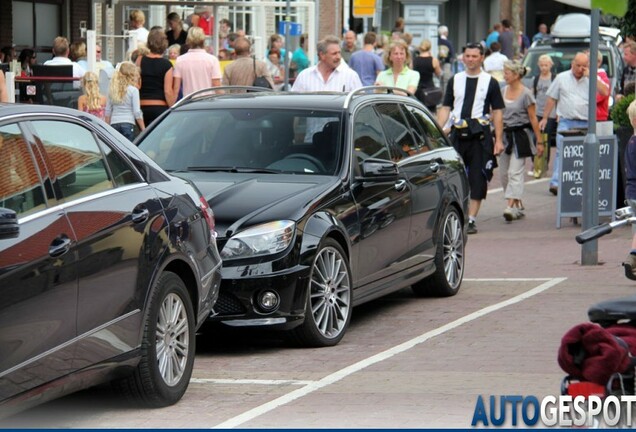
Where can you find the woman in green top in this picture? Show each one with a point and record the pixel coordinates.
(398, 74)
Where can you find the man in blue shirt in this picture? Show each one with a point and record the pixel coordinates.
(366, 62)
(493, 36)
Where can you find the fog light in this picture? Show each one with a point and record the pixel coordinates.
(268, 301)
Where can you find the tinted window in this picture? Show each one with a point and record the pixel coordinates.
(299, 141)
(397, 131)
(562, 56)
(76, 158)
(368, 137)
(121, 171)
(434, 136)
(20, 184)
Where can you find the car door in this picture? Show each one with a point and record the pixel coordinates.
(38, 280)
(384, 205)
(112, 211)
(426, 170)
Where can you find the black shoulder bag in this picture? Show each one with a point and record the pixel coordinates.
(260, 81)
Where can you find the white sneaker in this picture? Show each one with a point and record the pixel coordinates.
(511, 213)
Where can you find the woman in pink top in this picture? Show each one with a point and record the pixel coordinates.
(91, 101)
(196, 69)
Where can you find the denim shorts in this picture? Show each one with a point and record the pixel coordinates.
(126, 129)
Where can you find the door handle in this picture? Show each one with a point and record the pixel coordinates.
(59, 246)
(140, 215)
(435, 167)
(400, 185)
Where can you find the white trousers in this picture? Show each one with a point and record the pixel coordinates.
(511, 173)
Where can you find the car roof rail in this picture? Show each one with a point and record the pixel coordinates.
(374, 89)
(211, 92)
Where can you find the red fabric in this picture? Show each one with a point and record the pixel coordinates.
(604, 355)
(602, 102)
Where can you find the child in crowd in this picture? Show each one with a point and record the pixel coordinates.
(630, 189)
(91, 101)
(123, 108)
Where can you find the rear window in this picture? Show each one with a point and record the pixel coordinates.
(562, 56)
(296, 141)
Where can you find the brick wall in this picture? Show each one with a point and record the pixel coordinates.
(330, 18)
(80, 11)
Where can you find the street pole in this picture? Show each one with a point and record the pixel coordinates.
(591, 163)
(287, 47)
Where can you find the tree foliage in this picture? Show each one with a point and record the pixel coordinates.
(627, 24)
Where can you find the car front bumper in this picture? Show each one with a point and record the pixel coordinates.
(241, 287)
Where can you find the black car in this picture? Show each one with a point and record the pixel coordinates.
(108, 265)
(322, 201)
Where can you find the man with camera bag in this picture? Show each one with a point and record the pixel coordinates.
(471, 100)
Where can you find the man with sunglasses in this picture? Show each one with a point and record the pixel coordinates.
(471, 101)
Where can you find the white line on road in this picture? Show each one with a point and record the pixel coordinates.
(506, 279)
(249, 381)
(398, 349)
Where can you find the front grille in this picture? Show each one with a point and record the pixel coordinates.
(228, 304)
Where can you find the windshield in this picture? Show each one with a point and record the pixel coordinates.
(562, 57)
(247, 140)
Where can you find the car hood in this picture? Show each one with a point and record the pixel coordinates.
(239, 199)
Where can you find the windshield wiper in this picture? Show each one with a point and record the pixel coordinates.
(234, 169)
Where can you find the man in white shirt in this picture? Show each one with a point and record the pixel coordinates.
(494, 63)
(61, 51)
(571, 90)
(330, 74)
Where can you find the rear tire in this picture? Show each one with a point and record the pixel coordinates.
(449, 259)
(329, 299)
(167, 348)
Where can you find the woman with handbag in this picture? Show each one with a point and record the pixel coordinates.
(427, 65)
(520, 124)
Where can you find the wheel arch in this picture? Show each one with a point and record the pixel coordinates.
(322, 225)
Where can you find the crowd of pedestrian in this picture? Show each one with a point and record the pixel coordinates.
(477, 93)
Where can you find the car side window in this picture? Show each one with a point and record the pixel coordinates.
(122, 172)
(398, 131)
(368, 137)
(20, 186)
(434, 136)
(419, 134)
(76, 157)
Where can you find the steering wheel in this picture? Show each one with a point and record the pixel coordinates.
(309, 158)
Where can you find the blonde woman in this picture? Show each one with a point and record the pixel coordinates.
(92, 101)
(427, 66)
(398, 74)
(123, 108)
(520, 122)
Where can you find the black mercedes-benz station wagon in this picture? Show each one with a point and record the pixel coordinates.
(322, 201)
(108, 265)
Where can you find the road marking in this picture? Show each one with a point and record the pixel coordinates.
(398, 349)
(506, 279)
(249, 381)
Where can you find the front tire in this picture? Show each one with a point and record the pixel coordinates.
(329, 298)
(167, 348)
(449, 259)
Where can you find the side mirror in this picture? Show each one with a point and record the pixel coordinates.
(9, 227)
(379, 168)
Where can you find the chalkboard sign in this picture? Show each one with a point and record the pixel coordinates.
(571, 177)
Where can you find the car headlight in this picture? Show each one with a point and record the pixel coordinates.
(265, 239)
